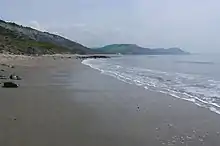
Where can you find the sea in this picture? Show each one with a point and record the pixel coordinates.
(195, 78)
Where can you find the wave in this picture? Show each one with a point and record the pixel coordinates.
(202, 91)
(197, 62)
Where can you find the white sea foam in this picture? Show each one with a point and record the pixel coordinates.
(202, 91)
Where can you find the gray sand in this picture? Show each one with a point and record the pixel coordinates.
(63, 102)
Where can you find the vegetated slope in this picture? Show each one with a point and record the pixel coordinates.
(137, 50)
(17, 39)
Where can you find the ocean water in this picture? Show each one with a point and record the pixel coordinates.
(195, 78)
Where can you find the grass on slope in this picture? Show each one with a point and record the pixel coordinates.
(18, 43)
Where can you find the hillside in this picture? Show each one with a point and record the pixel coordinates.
(17, 39)
(137, 50)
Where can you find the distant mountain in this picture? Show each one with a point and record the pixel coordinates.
(17, 39)
(137, 50)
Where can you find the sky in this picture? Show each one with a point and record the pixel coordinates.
(193, 25)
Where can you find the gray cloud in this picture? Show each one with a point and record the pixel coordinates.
(191, 25)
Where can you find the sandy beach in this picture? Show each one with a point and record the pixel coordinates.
(59, 101)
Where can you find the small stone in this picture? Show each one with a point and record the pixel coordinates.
(200, 139)
(173, 141)
(4, 64)
(11, 66)
(170, 125)
(157, 137)
(138, 108)
(13, 118)
(14, 77)
(188, 137)
(169, 144)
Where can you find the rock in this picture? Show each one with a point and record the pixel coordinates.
(2, 70)
(4, 64)
(170, 125)
(157, 129)
(11, 66)
(92, 57)
(9, 85)
(138, 108)
(3, 77)
(12, 118)
(14, 77)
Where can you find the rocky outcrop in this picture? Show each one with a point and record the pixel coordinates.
(92, 57)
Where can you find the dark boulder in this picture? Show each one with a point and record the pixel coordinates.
(9, 85)
(14, 77)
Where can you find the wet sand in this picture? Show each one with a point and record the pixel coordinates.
(62, 102)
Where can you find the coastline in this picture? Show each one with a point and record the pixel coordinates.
(63, 102)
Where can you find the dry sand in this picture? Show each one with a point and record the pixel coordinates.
(62, 102)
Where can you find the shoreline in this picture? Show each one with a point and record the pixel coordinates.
(192, 99)
(63, 102)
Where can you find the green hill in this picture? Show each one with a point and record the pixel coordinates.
(137, 50)
(17, 39)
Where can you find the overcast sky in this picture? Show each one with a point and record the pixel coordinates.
(193, 25)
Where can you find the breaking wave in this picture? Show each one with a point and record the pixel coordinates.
(203, 91)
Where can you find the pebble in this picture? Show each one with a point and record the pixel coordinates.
(170, 125)
(138, 108)
(169, 143)
(188, 137)
(13, 118)
(14, 77)
(200, 139)
(173, 141)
